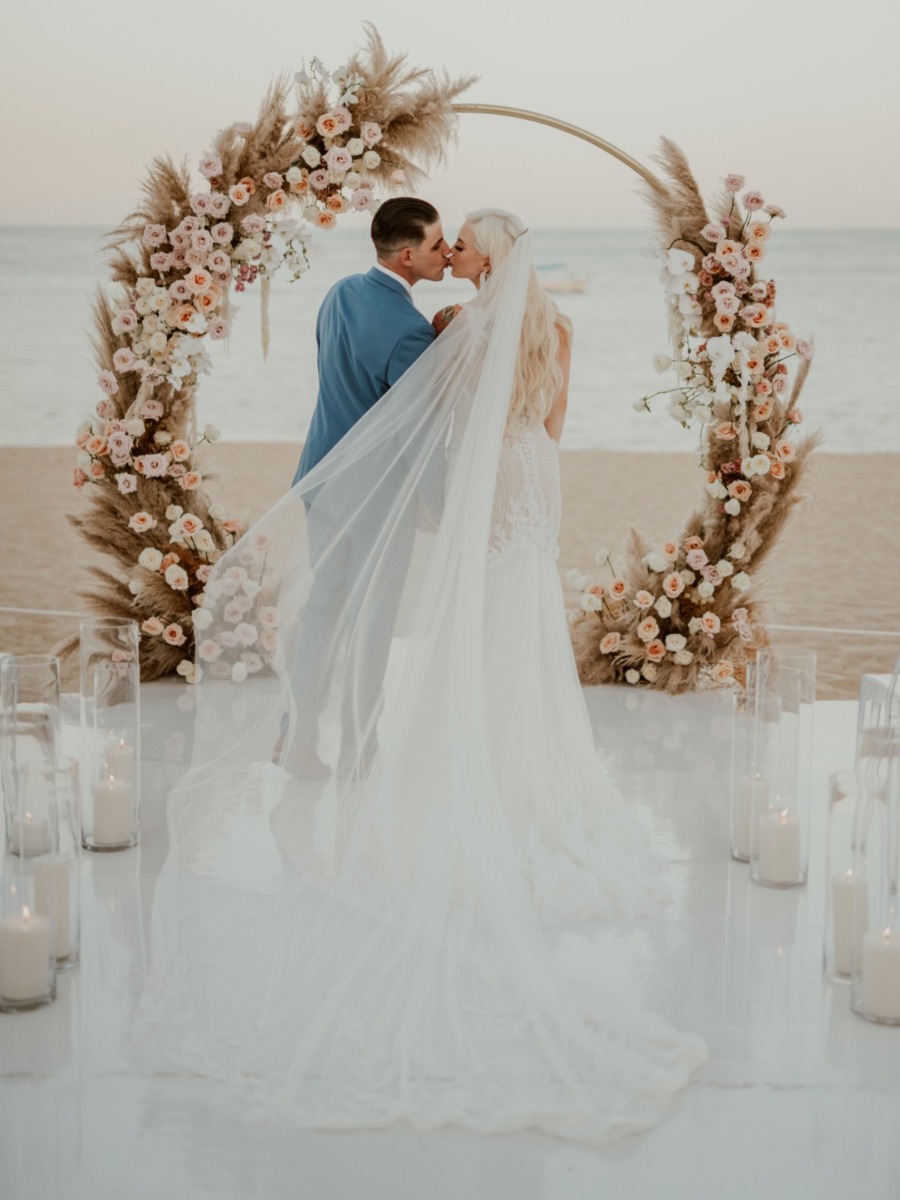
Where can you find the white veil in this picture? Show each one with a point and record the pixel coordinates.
(362, 948)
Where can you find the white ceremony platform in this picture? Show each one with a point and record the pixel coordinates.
(800, 1098)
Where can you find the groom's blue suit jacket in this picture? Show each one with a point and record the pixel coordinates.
(368, 333)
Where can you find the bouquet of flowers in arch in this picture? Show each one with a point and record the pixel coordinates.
(177, 261)
(674, 614)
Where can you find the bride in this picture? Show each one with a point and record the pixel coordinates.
(366, 947)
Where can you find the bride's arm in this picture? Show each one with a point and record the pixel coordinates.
(557, 415)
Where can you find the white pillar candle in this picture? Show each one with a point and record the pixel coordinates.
(849, 917)
(778, 844)
(25, 951)
(880, 992)
(52, 881)
(752, 800)
(29, 835)
(113, 811)
(120, 759)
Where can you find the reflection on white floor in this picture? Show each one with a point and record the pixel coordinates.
(800, 1098)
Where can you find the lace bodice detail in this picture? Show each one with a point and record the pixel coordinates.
(527, 505)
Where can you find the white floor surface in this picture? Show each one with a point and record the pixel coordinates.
(800, 1098)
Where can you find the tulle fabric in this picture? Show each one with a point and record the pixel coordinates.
(363, 948)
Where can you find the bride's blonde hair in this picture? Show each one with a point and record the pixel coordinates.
(539, 376)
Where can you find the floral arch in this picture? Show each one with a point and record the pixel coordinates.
(666, 616)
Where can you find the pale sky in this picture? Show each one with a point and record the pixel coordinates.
(802, 97)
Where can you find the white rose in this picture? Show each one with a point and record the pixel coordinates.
(204, 542)
(590, 602)
(173, 512)
(679, 261)
(151, 558)
(602, 556)
(687, 576)
(724, 567)
(733, 507)
(741, 581)
(683, 657)
(134, 587)
(760, 440)
(145, 286)
(717, 489)
(572, 576)
(663, 606)
(705, 589)
(632, 676)
(371, 159)
(356, 147)
(211, 433)
(203, 618)
(217, 511)
(649, 672)
(311, 157)
(158, 342)
(761, 463)
(737, 551)
(657, 561)
(352, 179)
(84, 460)
(695, 625)
(748, 467)
(239, 672)
(150, 323)
(675, 642)
(250, 587)
(294, 175)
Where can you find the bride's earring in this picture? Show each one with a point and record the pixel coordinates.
(486, 273)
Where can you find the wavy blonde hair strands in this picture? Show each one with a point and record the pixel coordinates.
(539, 376)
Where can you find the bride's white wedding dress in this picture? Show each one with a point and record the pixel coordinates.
(368, 948)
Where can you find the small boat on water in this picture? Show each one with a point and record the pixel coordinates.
(558, 278)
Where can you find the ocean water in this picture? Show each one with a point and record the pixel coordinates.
(843, 286)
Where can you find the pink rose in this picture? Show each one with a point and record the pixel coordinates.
(338, 160)
(153, 466)
(203, 573)
(210, 166)
(200, 203)
(610, 643)
(179, 290)
(239, 194)
(755, 315)
(219, 261)
(273, 179)
(222, 233)
(786, 451)
(673, 585)
(174, 635)
(804, 348)
(763, 387)
(219, 204)
(191, 524)
(152, 410)
(370, 132)
(78, 478)
(710, 623)
(753, 201)
(711, 575)
(774, 211)
(247, 634)
(268, 617)
(343, 118)
(696, 559)
(124, 321)
(252, 661)
(201, 240)
(713, 232)
(318, 179)
(126, 483)
(217, 328)
(124, 360)
(656, 651)
(227, 639)
(253, 223)
(153, 626)
(734, 183)
(648, 629)
(795, 416)
(269, 640)
(209, 650)
(119, 444)
(108, 382)
(361, 199)
(154, 235)
(232, 612)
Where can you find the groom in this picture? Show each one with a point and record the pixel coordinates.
(369, 333)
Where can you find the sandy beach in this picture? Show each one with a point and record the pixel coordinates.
(837, 566)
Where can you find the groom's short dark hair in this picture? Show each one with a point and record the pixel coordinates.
(402, 222)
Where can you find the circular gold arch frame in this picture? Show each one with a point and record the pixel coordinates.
(523, 114)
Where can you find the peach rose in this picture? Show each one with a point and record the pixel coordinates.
(724, 322)
(177, 579)
(777, 470)
(759, 231)
(209, 650)
(300, 186)
(693, 542)
(191, 480)
(754, 252)
(648, 629)
(762, 410)
(710, 623)
(180, 450)
(141, 522)
(98, 471)
(773, 344)
(325, 220)
(276, 199)
(597, 589)
(619, 588)
(740, 490)
(673, 585)
(248, 183)
(656, 651)
(327, 126)
(206, 301)
(723, 671)
(153, 626)
(303, 130)
(238, 195)
(795, 416)
(786, 450)
(190, 524)
(726, 432)
(763, 387)
(174, 635)
(643, 599)
(610, 643)
(78, 478)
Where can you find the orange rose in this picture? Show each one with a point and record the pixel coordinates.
(656, 651)
(740, 490)
(276, 199)
(724, 322)
(248, 183)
